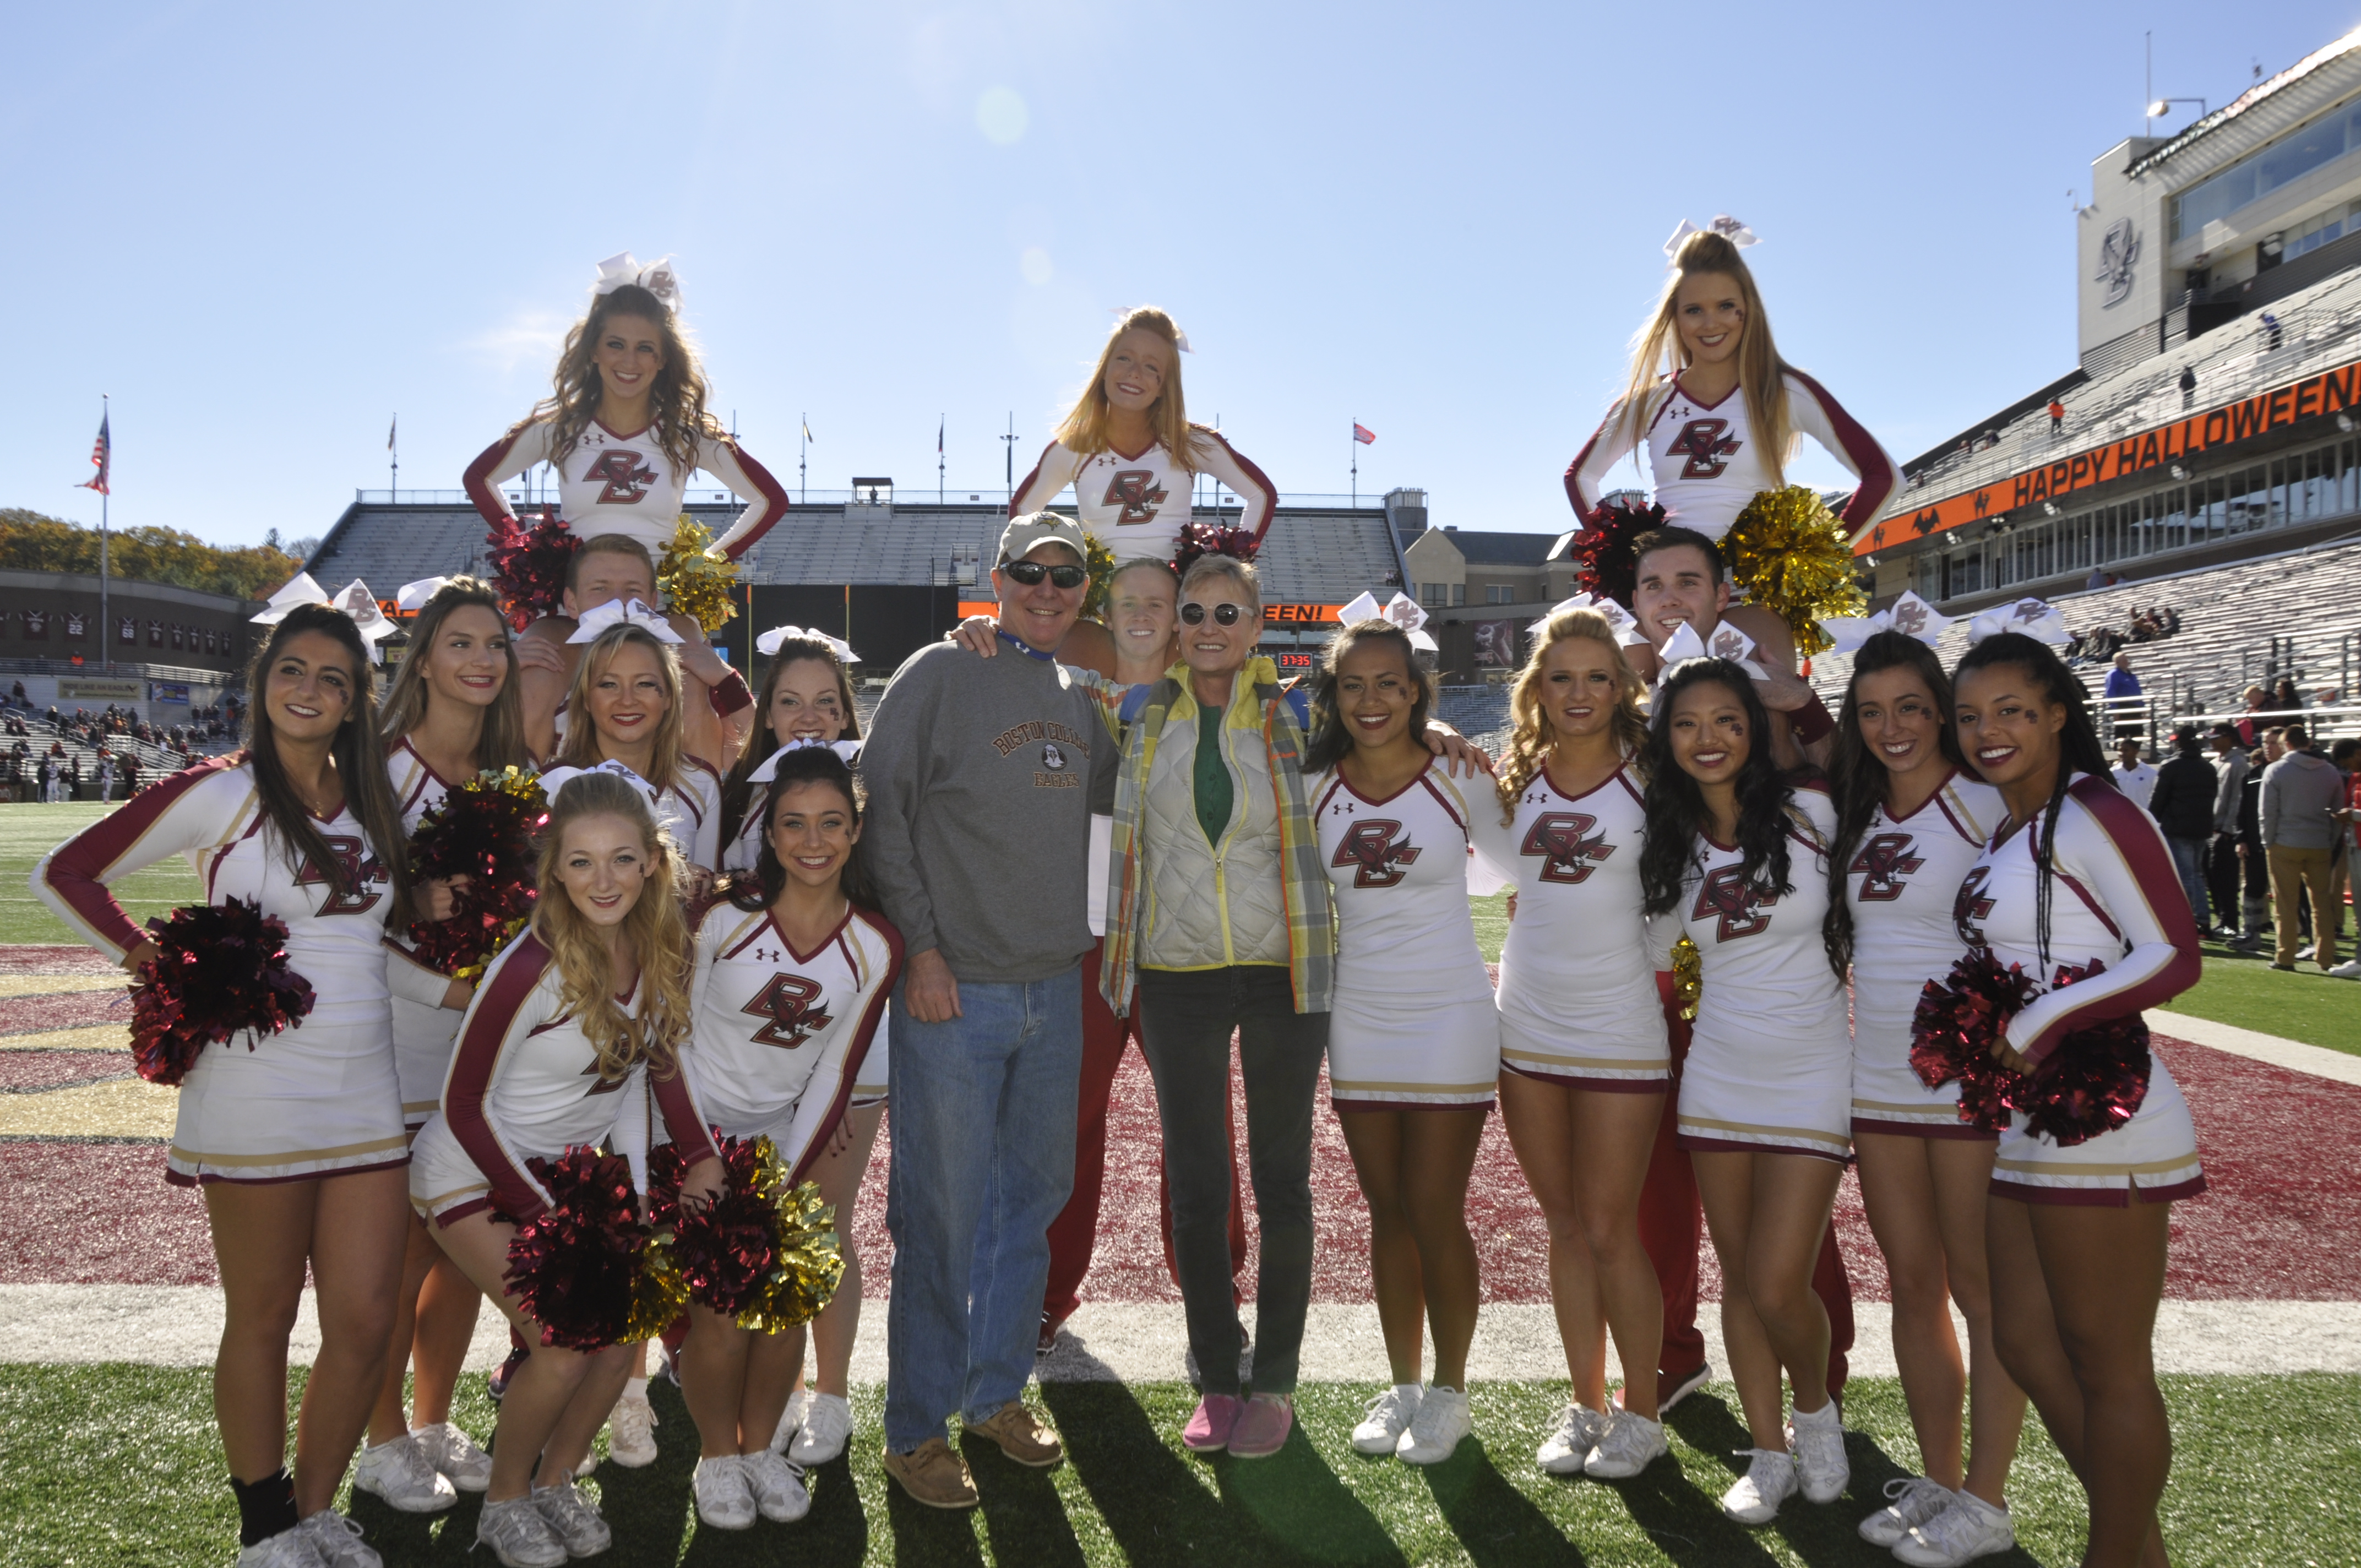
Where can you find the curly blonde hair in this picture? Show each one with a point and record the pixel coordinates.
(1084, 428)
(1530, 746)
(1656, 351)
(676, 402)
(581, 748)
(657, 929)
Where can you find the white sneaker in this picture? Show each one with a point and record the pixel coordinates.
(1971, 1528)
(290, 1548)
(827, 1427)
(2349, 970)
(791, 1420)
(2303, 954)
(724, 1497)
(1631, 1444)
(1389, 1417)
(777, 1486)
(1564, 1451)
(455, 1454)
(336, 1541)
(1435, 1426)
(573, 1518)
(1769, 1480)
(1916, 1500)
(632, 1433)
(518, 1535)
(399, 1473)
(1818, 1442)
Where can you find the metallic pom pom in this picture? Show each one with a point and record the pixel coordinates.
(1788, 554)
(1689, 977)
(1605, 567)
(586, 1269)
(1214, 539)
(808, 1268)
(219, 970)
(483, 830)
(2095, 1082)
(529, 564)
(1101, 562)
(697, 582)
(762, 1253)
(1957, 1021)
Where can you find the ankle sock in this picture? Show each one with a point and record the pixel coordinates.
(1826, 1416)
(265, 1507)
(635, 1388)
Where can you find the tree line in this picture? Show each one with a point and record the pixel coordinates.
(31, 542)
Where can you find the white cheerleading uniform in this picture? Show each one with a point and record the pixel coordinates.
(1901, 883)
(1704, 464)
(1579, 1001)
(524, 1084)
(1412, 1027)
(1769, 1062)
(1136, 506)
(625, 484)
(320, 1099)
(780, 1035)
(423, 1027)
(689, 808)
(2116, 900)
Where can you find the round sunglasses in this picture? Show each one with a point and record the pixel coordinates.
(1224, 614)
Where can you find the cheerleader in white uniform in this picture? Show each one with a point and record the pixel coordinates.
(2078, 888)
(296, 1140)
(628, 688)
(1911, 821)
(1583, 1050)
(1413, 1042)
(1736, 858)
(596, 993)
(794, 969)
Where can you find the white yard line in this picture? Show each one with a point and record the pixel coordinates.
(2317, 1061)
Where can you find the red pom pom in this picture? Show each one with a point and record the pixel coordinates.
(1214, 539)
(1958, 1020)
(1601, 549)
(219, 970)
(725, 1250)
(2093, 1083)
(529, 565)
(576, 1266)
(483, 831)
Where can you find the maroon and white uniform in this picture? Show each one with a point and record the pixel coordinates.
(1769, 1062)
(624, 484)
(781, 1036)
(1136, 506)
(320, 1099)
(1577, 1001)
(1705, 463)
(524, 1084)
(689, 808)
(423, 1027)
(2115, 901)
(1900, 882)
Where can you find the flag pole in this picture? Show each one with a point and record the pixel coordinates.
(938, 470)
(1009, 452)
(1356, 464)
(106, 660)
(393, 478)
(802, 471)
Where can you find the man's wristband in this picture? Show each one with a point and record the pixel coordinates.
(1812, 722)
(729, 694)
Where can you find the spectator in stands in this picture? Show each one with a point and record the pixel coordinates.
(2133, 777)
(2250, 732)
(2183, 800)
(1991, 438)
(2121, 682)
(2345, 755)
(2302, 793)
(130, 776)
(2188, 385)
(2057, 418)
(2270, 326)
(2285, 698)
(2230, 767)
(2095, 581)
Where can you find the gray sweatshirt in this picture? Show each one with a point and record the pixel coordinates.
(2299, 791)
(982, 774)
(2231, 767)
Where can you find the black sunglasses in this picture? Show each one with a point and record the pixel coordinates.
(1031, 574)
(1224, 614)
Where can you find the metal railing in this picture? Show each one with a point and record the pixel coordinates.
(2334, 721)
(703, 498)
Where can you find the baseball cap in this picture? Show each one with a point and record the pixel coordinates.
(1029, 532)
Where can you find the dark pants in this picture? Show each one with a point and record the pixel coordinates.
(2221, 879)
(1186, 1020)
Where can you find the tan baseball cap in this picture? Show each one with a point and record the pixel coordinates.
(1027, 534)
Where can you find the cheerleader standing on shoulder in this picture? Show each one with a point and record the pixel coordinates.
(295, 1139)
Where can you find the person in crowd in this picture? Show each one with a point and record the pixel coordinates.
(2346, 756)
(295, 1140)
(2285, 698)
(1736, 858)
(2121, 682)
(2302, 793)
(2256, 896)
(2077, 890)
(2188, 385)
(2183, 800)
(2250, 727)
(2057, 418)
(2134, 778)
(2221, 863)
(1911, 821)
(599, 989)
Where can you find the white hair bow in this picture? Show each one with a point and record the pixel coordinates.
(354, 599)
(848, 750)
(413, 595)
(623, 612)
(2041, 621)
(1726, 642)
(768, 644)
(658, 278)
(1729, 228)
(1627, 629)
(555, 780)
(1401, 610)
(1910, 615)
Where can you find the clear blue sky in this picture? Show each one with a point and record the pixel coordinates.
(266, 228)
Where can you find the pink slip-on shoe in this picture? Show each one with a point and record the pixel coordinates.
(1262, 1427)
(1209, 1430)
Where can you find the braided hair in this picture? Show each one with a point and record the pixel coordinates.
(1675, 809)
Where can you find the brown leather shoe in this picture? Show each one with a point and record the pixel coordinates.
(932, 1474)
(1022, 1435)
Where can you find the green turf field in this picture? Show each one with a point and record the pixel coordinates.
(29, 832)
(119, 1465)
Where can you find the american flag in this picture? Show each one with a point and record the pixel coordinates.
(100, 452)
(1364, 435)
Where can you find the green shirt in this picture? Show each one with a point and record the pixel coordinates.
(1214, 796)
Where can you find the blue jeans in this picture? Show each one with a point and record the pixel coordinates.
(2189, 859)
(982, 1160)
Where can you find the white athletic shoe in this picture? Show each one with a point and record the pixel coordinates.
(1971, 1528)
(1565, 1449)
(1915, 1500)
(725, 1499)
(1631, 1444)
(338, 1541)
(1435, 1426)
(632, 1433)
(1389, 1417)
(1818, 1442)
(399, 1473)
(290, 1548)
(827, 1427)
(518, 1535)
(1770, 1480)
(791, 1420)
(456, 1456)
(573, 1518)
(2349, 970)
(777, 1486)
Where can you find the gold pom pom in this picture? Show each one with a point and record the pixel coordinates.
(1689, 976)
(658, 1295)
(696, 582)
(1788, 554)
(1101, 562)
(810, 1262)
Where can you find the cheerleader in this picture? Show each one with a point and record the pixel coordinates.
(806, 695)
(295, 1139)
(627, 692)
(597, 990)
(452, 713)
(794, 969)
(1910, 823)
(1413, 1042)
(2077, 887)
(1765, 1095)
(1584, 1052)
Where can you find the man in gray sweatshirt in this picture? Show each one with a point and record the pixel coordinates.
(982, 776)
(2300, 792)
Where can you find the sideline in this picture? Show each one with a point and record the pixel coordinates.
(2317, 1061)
